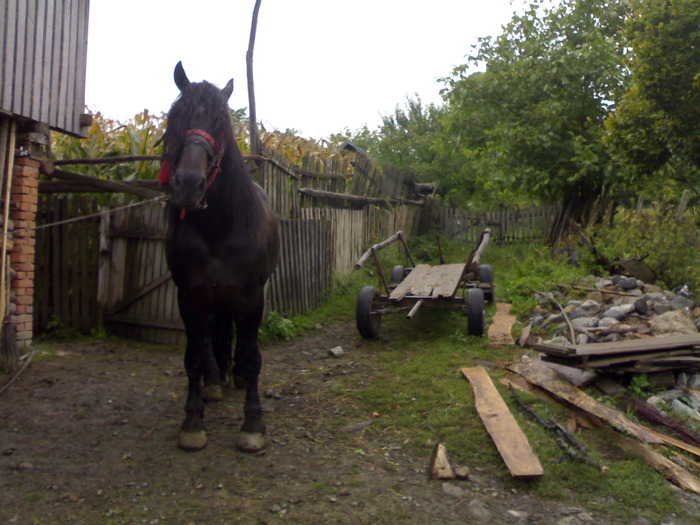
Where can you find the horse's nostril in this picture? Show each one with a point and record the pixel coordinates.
(188, 183)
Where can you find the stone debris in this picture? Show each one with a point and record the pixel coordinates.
(624, 309)
(620, 307)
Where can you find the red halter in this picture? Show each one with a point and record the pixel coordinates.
(166, 169)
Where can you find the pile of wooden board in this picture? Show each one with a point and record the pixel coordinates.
(652, 354)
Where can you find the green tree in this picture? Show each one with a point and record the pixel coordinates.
(408, 137)
(656, 127)
(532, 123)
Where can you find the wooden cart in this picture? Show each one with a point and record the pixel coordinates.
(465, 286)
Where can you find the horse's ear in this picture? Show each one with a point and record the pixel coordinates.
(181, 80)
(228, 89)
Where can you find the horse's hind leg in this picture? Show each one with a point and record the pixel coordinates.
(247, 367)
(219, 367)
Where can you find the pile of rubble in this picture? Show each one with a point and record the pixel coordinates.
(617, 308)
(625, 326)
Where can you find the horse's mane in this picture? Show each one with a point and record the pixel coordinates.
(197, 99)
(202, 101)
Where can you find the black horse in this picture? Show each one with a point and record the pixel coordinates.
(221, 247)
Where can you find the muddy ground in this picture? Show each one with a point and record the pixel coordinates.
(89, 436)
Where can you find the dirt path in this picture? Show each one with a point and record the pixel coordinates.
(89, 437)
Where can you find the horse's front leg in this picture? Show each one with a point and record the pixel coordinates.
(197, 363)
(248, 363)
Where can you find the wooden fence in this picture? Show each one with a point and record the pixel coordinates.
(507, 226)
(66, 265)
(112, 268)
(139, 299)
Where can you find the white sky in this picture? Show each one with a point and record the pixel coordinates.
(320, 66)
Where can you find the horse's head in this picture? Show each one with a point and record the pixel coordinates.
(198, 129)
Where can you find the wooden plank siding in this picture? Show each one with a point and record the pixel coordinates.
(66, 272)
(43, 54)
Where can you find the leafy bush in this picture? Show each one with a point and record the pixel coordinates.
(276, 326)
(666, 240)
(520, 270)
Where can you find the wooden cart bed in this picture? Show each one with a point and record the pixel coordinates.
(430, 282)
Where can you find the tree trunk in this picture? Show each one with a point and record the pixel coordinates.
(581, 209)
(254, 137)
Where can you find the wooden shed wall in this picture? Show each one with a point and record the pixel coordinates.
(43, 54)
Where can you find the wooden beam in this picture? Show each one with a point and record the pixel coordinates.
(357, 199)
(148, 288)
(510, 440)
(107, 185)
(541, 375)
(485, 239)
(107, 160)
(379, 246)
(670, 470)
(55, 186)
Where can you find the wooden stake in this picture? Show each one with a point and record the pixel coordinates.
(440, 467)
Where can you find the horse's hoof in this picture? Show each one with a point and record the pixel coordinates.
(192, 441)
(212, 393)
(250, 442)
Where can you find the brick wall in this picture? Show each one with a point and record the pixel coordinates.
(24, 202)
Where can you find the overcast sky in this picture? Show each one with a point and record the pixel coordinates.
(320, 65)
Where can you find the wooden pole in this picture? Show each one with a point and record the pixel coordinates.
(255, 148)
(415, 308)
(105, 160)
(6, 218)
(379, 246)
(485, 239)
(9, 350)
(107, 185)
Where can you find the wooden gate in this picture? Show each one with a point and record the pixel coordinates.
(139, 298)
(66, 265)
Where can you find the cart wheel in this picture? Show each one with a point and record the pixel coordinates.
(475, 312)
(486, 277)
(367, 324)
(398, 273)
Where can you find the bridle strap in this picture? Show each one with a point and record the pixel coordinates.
(214, 151)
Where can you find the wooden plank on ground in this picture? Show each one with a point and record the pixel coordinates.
(541, 375)
(510, 440)
(503, 321)
(673, 472)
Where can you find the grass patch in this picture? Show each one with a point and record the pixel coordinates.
(421, 398)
